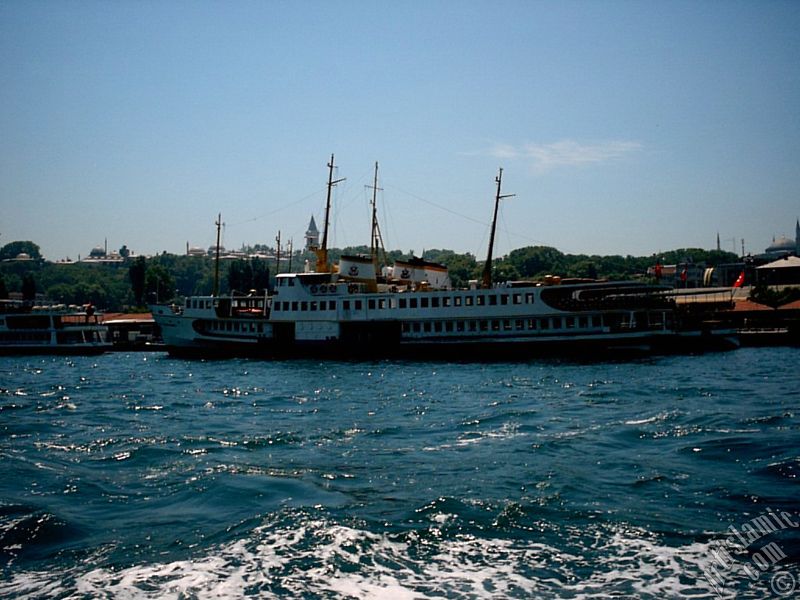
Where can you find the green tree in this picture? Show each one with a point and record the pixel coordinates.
(697, 255)
(62, 292)
(14, 249)
(260, 281)
(137, 274)
(579, 266)
(536, 261)
(504, 271)
(461, 267)
(28, 287)
(159, 284)
(194, 275)
(244, 276)
(235, 275)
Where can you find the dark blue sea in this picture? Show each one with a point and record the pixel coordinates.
(143, 476)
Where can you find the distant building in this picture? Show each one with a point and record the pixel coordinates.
(194, 250)
(312, 235)
(21, 257)
(101, 255)
(785, 246)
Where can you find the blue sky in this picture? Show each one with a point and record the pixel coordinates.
(622, 127)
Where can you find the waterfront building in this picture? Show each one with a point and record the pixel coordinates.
(784, 271)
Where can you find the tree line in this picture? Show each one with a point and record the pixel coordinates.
(138, 281)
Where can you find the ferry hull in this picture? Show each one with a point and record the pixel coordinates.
(385, 342)
(184, 337)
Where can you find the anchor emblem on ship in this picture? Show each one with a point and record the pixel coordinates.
(353, 271)
(405, 274)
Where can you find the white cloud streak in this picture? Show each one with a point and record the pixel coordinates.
(565, 153)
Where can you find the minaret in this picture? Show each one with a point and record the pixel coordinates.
(797, 238)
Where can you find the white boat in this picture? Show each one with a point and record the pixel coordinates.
(311, 314)
(413, 311)
(209, 326)
(28, 328)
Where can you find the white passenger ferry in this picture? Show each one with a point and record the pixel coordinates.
(328, 313)
(412, 310)
(29, 328)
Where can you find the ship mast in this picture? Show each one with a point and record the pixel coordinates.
(487, 267)
(322, 253)
(218, 223)
(278, 253)
(376, 240)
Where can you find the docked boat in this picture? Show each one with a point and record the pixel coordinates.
(355, 309)
(28, 328)
(209, 326)
(315, 312)
(312, 314)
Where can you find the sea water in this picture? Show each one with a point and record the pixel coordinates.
(143, 476)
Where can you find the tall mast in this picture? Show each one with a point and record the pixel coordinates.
(373, 242)
(376, 240)
(487, 267)
(278, 253)
(322, 253)
(218, 223)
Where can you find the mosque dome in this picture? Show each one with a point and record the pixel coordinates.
(782, 244)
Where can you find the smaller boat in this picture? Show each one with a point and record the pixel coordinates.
(209, 326)
(29, 328)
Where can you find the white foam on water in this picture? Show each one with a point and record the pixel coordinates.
(316, 558)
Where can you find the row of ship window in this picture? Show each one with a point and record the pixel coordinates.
(17, 337)
(237, 326)
(423, 302)
(479, 325)
(195, 303)
(62, 337)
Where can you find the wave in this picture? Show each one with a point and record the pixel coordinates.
(26, 531)
(302, 554)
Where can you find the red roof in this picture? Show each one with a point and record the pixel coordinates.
(749, 305)
(791, 306)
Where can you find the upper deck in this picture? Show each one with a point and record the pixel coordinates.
(326, 297)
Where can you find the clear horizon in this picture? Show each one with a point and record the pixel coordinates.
(622, 128)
